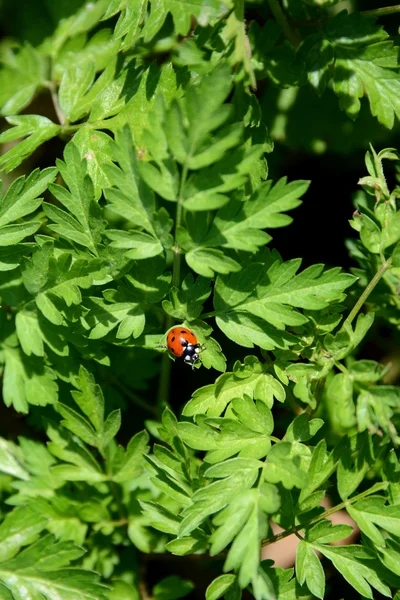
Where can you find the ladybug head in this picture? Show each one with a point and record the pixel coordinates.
(191, 354)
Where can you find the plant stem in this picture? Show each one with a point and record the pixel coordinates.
(376, 12)
(290, 33)
(376, 278)
(166, 363)
(280, 536)
(319, 387)
(242, 43)
(54, 98)
(380, 12)
(208, 315)
(176, 269)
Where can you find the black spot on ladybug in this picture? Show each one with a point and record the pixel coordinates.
(183, 330)
(173, 339)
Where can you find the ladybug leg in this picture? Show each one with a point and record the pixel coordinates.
(162, 344)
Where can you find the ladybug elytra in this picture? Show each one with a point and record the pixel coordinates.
(183, 343)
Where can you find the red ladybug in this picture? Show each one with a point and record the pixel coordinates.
(183, 343)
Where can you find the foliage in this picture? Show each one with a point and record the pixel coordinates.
(160, 212)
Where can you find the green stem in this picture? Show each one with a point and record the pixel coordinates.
(374, 281)
(72, 128)
(54, 98)
(380, 12)
(166, 363)
(376, 12)
(331, 511)
(176, 270)
(342, 368)
(209, 315)
(280, 17)
(319, 387)
(242, 42)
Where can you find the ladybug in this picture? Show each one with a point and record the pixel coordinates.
(183, 343)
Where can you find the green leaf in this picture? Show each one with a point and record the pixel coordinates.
(187, 302)
(286, 586)
(11, 461)
(123, 591)
(339, 394)
(353, 464)
(139, 245)
(11, 257)
(81, 21)
(182, 14)
(35, 128)
(301, 429)
(244, 553)
(100, 50)
(160, 518)
(188, 544)
(129, 21)
(111, 427)
(20, 527)
(235, 518)
(29, 334)
(133, 200)
(212, 356)
(247, 379)
(132, 463)
(283, 465)
(77, 424)
(60, 282)
(366, 370)
(104, 317)
(22, 197)
(95, 147)
(318, 56)
(271, 292)
(148, 281)
(206, 200)
(326, 533)
(75, 82)
(219, 586)
(389, 555)
(27, 382)
(212, 498)
(357, 567)
(82, 223)
(309, 570)
(207, 261)
(40, 570)
(90, 398)
(172, 588)
(238, 225)
(365, 64)
(373, 511)
(21, 75)
(234, 437)
(12, 234)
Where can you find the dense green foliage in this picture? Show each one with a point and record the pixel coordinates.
(160, 212)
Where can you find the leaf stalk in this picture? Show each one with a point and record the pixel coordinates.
(331, 511)
(165, 373)
(280, 17)
(372, 284)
